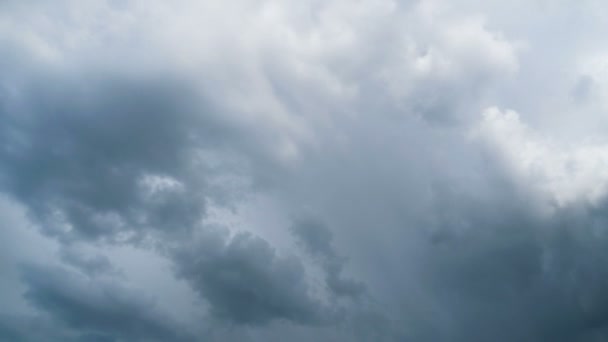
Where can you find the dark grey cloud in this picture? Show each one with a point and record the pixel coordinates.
(31, 329)
(246, 282)
(472, 260)
(77, 154)
(515, 276)
(95, 308)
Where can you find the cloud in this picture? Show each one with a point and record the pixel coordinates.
(94, 307)
(317, 240)
(91, 264)
(20, 328)
(140, 140)
(245, 282)
(565, 173)
(78, 160)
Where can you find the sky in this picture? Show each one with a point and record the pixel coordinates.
(268, 170)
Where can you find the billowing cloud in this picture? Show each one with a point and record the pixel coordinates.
(422, 170)
(245, 282)
(565, 174)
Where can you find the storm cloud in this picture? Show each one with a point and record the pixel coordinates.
(420, 170)
(96, 309)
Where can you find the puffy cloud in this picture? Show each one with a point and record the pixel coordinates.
(245, 282)
(565, 173)
(132, 130)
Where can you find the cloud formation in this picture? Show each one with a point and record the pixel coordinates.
(96, 310)
(245, 282)
(422, 170)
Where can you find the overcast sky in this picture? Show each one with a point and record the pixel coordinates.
(342, 170)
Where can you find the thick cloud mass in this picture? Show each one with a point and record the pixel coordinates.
(423, 170)
(96, 309)
(85, 162)
(245, 282)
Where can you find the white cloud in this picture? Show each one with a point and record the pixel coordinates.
(566, 173)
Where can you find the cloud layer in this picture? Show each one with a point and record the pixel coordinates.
(323, 170)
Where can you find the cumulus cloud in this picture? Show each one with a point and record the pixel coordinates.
(245, 282)
(79, 162)
(153, 157)
(565, 173)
